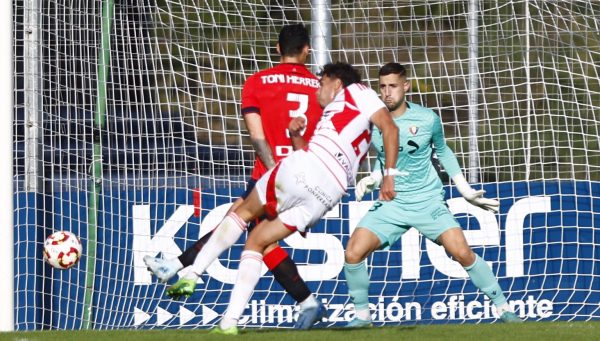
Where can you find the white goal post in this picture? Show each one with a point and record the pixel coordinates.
(6, 171)
(127, 131)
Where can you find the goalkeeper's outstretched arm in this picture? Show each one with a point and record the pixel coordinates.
(450, 163)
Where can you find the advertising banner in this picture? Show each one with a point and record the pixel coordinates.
(543, 246)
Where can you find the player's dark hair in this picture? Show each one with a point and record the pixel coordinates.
(342, 71)
(392, 68)
(292, 39)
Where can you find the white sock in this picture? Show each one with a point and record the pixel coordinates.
(189, 274)
(226, 234)
(309, 302)
(247, 278)
(176, 263)
(227, 323)
(364, 314)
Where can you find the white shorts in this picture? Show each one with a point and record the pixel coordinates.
(300, 190)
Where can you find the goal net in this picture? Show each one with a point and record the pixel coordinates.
(128, 133)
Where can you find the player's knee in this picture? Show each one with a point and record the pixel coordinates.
(256, 244)
(353, 255)
(465, 256)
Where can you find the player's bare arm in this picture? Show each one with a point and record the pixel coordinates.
(389, 131)
(296, 126)
(257, 138)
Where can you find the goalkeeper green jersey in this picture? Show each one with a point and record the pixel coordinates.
(420, 130)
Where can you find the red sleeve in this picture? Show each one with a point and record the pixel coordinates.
(249, 98)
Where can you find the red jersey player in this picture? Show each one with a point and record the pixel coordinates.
(270, 99)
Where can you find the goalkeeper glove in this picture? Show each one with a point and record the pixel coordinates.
(474, 197)
(368, 184)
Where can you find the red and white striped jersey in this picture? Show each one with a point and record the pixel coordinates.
(341, 139)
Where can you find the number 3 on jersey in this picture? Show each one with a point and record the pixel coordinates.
(302, 101)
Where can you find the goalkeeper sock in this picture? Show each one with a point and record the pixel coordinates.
(501, 309)
(248, 275)
(483, 278)
(286, 273)
(189, 255)
(226, 234)
(357, 279)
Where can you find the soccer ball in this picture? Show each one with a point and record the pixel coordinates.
(62, 249)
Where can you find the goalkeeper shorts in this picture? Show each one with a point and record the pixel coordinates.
(389, 220)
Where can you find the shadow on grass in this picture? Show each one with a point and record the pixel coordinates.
(324, 328)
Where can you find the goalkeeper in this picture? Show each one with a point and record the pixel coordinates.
(419, 201)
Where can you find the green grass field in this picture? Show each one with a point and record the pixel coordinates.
(480, 332)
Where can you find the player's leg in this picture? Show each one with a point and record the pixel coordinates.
(279, 263)
(224, 236)
(276, 258)
(382, 226)
(165, 269)
(479, 271)
(266, 233)
(189, 255)
(286, 273)
(361, 244)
